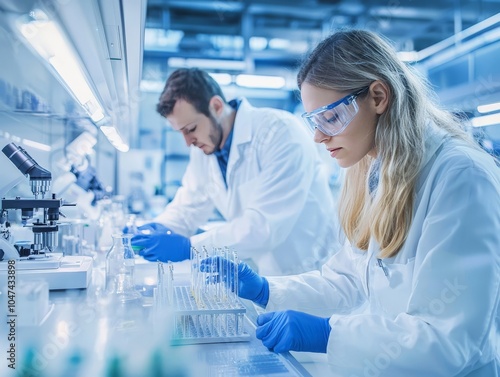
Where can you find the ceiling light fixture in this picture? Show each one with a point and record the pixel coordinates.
(258, 43)
(279, 43)
(114, 138)
(37, 145)
(488, 108)
(47, 39)
(262, 82)
(407, 56)
(222, 78)
(225, 65)
(486, 120)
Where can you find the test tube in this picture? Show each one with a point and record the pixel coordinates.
(170, 283)
(220, 273)
(194, 268)
(239, 317)
(227, 276)
(214, 288)
(208, 274)
(160, 291)
(235, 287)
(199, 287)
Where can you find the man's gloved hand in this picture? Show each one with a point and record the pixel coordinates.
(251, 286)
(293, 331)
(156, 242)
(148, 228)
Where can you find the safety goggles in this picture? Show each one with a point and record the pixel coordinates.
(332, 119)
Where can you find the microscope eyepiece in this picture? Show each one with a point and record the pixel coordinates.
(40, 178)
(25, 163)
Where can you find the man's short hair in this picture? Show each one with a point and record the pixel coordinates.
(192, 85)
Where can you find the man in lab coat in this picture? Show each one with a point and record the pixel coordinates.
(258, 168)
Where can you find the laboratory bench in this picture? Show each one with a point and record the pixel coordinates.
(85, 333)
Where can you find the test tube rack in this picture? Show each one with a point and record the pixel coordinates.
(209, 310)
(204, 320)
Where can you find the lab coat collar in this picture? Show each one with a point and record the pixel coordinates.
(434, 137)
(242, 127)
(242, 135)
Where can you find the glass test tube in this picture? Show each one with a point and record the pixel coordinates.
(170, 283)
(160, 289)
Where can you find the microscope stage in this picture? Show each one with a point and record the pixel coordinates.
(60, 272)
(51, 261)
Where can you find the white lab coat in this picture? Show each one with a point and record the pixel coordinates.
(278, 206)
(437, 311)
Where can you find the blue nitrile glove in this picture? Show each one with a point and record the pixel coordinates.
(293, 331)
(251, 286)
(156, 242)
(148, 228)
(153, 228)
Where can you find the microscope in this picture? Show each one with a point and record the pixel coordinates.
(38, 259)
(45, 229)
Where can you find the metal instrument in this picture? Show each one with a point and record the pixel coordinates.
(45, 227)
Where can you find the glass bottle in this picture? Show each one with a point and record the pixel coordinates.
(120, 269)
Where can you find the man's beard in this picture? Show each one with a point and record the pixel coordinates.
(215, 133)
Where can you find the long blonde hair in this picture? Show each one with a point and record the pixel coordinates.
(347, 61)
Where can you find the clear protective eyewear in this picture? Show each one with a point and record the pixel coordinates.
(332, 119)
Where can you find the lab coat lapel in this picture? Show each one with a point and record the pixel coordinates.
(434, 138)
(242, 136)
(215, 174)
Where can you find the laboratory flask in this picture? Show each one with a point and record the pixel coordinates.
(120, 269)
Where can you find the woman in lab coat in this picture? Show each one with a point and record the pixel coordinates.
(415, 292)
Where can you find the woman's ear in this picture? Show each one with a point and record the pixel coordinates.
(379, 91)
(216, 105)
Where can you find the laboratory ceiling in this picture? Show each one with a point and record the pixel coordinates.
(257, 35)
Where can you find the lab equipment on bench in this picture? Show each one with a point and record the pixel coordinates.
(206, 311)
(38, 259)
(120, 269)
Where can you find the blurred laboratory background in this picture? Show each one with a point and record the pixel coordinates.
(80, 80)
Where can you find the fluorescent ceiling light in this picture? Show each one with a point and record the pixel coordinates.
(488, 108)
(229, 65)
(279, 44)
(257, 43)
(299, 47)
(486, 120)
(222, 78)
(27, 142)
(122, 147)
(408, 56)
(263, 82)
(37, 145)
(162, 38)
(114, 138)
(49, 42)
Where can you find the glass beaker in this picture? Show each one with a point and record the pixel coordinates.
(120, 269)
